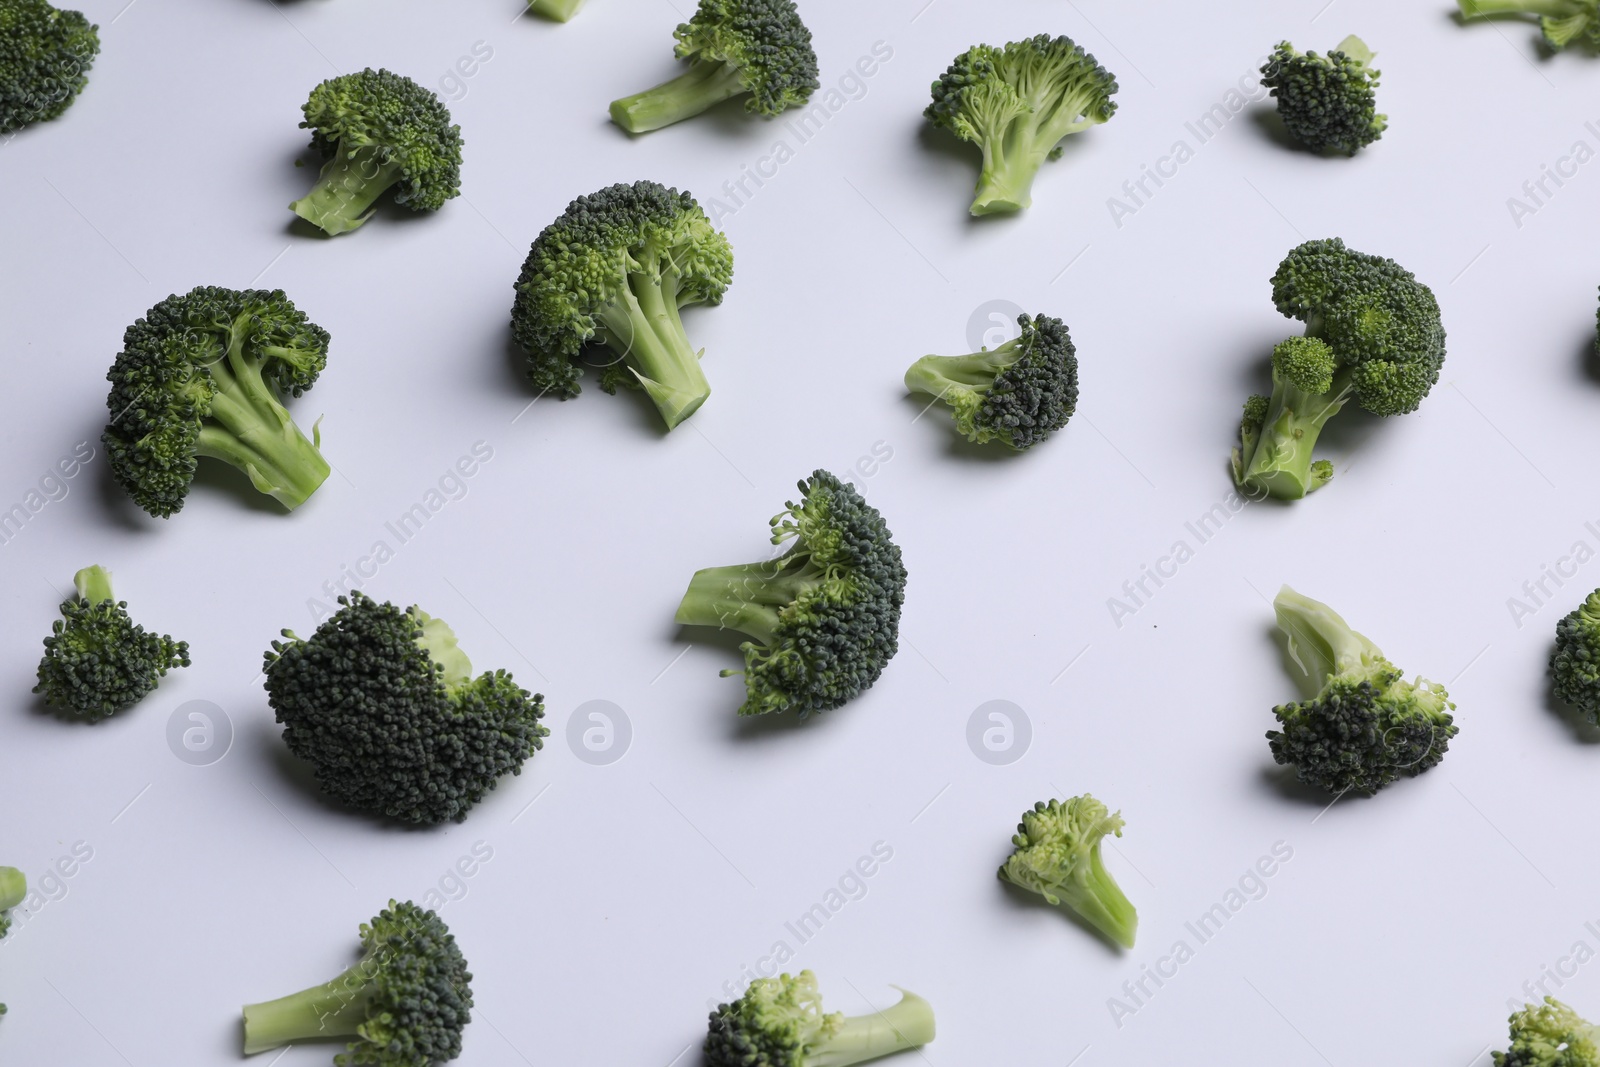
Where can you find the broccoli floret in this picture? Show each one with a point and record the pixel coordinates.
(383, 705)
(377, 130)
(1019, 393)
(734, 47)
(1561, 21)
(404, 1004)
(1575, 661)
(1327, 103)
(1366, 725)
(1058, 856)
(1550, 1035)
(13, 890)
(613, 270)
(779, 1023)
(555, 10)
(1017, 104)
(45, 56)
(824, 617)
(203, 375)
(1373, 335)
(98, 661)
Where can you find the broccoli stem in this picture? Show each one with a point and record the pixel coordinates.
(747, 597)
(250, 430)
(1321, 643)
(707, 82)
(1483, 8)
(1281, 463)
(13, 889)
(908, 1024)
(335, 1009)
(939, 375)
(559, 10)
(1005, 185)
(93, 585)
(642, 326)
(1100, 900)
(349, 185)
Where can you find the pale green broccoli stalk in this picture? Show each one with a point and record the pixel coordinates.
(779, 1022)
(1561, 21)
(13, 890)
(1058, 856)
(1550, 1035)
(555, 10)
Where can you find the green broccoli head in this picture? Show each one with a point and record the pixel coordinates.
(1561, 21)
(613, 271)
(1328, 103)
(1057, 855)
(1550, 1035)
(1017, 104)
(1366, 726)
(404, 1004)
(45, 56)
(378, 130)
(1019, 393)
(734, 47)
(383, 705)
(204, 374)
(779, 1022)
(824, 617)
(98, 661)
(1575, 661)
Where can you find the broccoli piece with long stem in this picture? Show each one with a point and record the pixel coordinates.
(779, 1022)
(1561, 21)
(45, 55)
(98, 661)
(1327, 103)
(1057, 855)
(404, 1004)
(555, 10)
(13, 891)
(734, 48)
(1550, 1035)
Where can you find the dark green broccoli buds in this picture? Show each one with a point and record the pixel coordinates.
(1018, 393)
(382, 704)
(1366, 725)
(204, 374)
(1550, 1035)
(377, 130)
(1017, 104)
(98, 661)
(1058, 856)
(404, 1004)
(1561, 21)
(734, 47)
(824, 617)
(1327, 103)
(45, 56)
(779, 1022)
(555, 10)
(1575, 661)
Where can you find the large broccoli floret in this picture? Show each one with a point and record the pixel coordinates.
(1017, 104)
(13, 890)
(45, 55)
(98, 661)
(1373, 335)
(404, 1004)
(734, 47)
(1366, 725)
(1575, 661)
(1018, 393)
(779, 1023)
(613, 270)
(1058, 856)
(383, 705)
(1550, 1035)
(824, 617)
(1561, 21)
(203, 375)
(555, 10)
(1327, 103)
(377, 130)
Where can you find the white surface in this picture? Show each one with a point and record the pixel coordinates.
(616, 906)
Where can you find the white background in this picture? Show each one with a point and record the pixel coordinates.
(616, 906)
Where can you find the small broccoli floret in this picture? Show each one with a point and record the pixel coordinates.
(824, 617)
(1575, 661)
(98, 661)
(1327, 102)
(1561, 21)
(1550, 1035)
(45, 56)
(404, 1004)
(377, 130)
(13, 890)
(555, 10)
(1058, 856)
(1373, 335)
(734, 47)
(779, 1023)
(613, 271)
(1017, 104)
(1019, 393)
(204, 374)
(383, 705)
(1366, 725)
